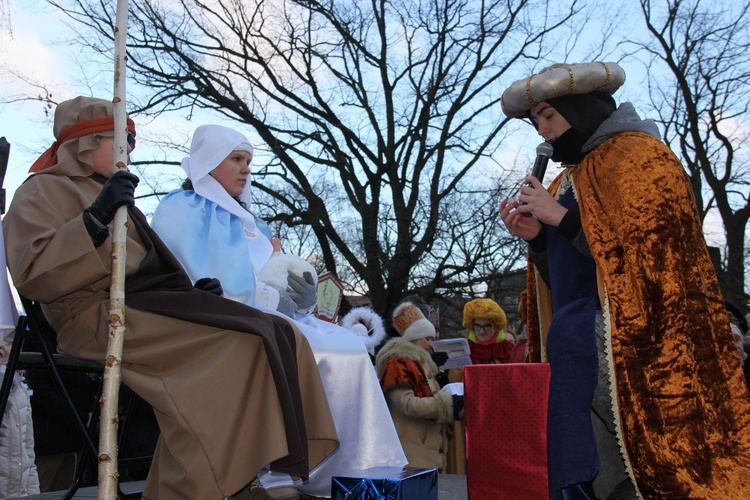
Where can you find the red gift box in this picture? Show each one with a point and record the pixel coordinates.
(505, 416)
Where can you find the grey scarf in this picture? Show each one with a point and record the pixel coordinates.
(624, 119)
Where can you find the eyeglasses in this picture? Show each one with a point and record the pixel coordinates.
(130, 139)
(488, 326)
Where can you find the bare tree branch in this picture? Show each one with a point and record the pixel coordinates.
(375, 115)
(702, 106)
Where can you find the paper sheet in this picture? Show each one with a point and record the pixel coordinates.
(458, 352)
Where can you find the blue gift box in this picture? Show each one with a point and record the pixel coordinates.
(386, 483)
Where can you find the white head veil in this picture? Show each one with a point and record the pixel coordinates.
(210, 146)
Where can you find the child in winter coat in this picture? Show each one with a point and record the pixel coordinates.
(420, 411)
(18, 475)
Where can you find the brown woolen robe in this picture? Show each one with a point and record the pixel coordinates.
(233, 388)
(681, 404)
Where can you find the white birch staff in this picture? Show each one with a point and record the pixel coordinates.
(108, 475)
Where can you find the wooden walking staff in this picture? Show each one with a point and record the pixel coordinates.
(108, 475)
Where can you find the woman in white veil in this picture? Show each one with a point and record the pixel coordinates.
(212, 231)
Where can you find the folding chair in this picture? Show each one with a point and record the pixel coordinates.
(35, 324)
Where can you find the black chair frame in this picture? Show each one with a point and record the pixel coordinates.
(34, 323)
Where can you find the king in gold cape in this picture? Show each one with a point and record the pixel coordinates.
(681, 405)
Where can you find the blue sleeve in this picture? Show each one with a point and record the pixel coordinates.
(208, 241)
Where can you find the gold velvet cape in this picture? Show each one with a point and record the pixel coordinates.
(683, 406)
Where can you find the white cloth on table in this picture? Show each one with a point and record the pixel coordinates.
(366, 432)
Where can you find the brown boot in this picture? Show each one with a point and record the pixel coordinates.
(253, 491)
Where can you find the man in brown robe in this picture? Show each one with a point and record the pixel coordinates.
(233, 389)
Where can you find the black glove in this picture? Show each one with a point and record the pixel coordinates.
(119, 190)
(302, 290)
(210, 285)
(442, 378)
(458, 406)
(439, 357)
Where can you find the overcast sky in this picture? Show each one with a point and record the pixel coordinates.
(27, 48)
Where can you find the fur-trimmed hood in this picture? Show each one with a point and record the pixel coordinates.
(366, 324)
(401, 348)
